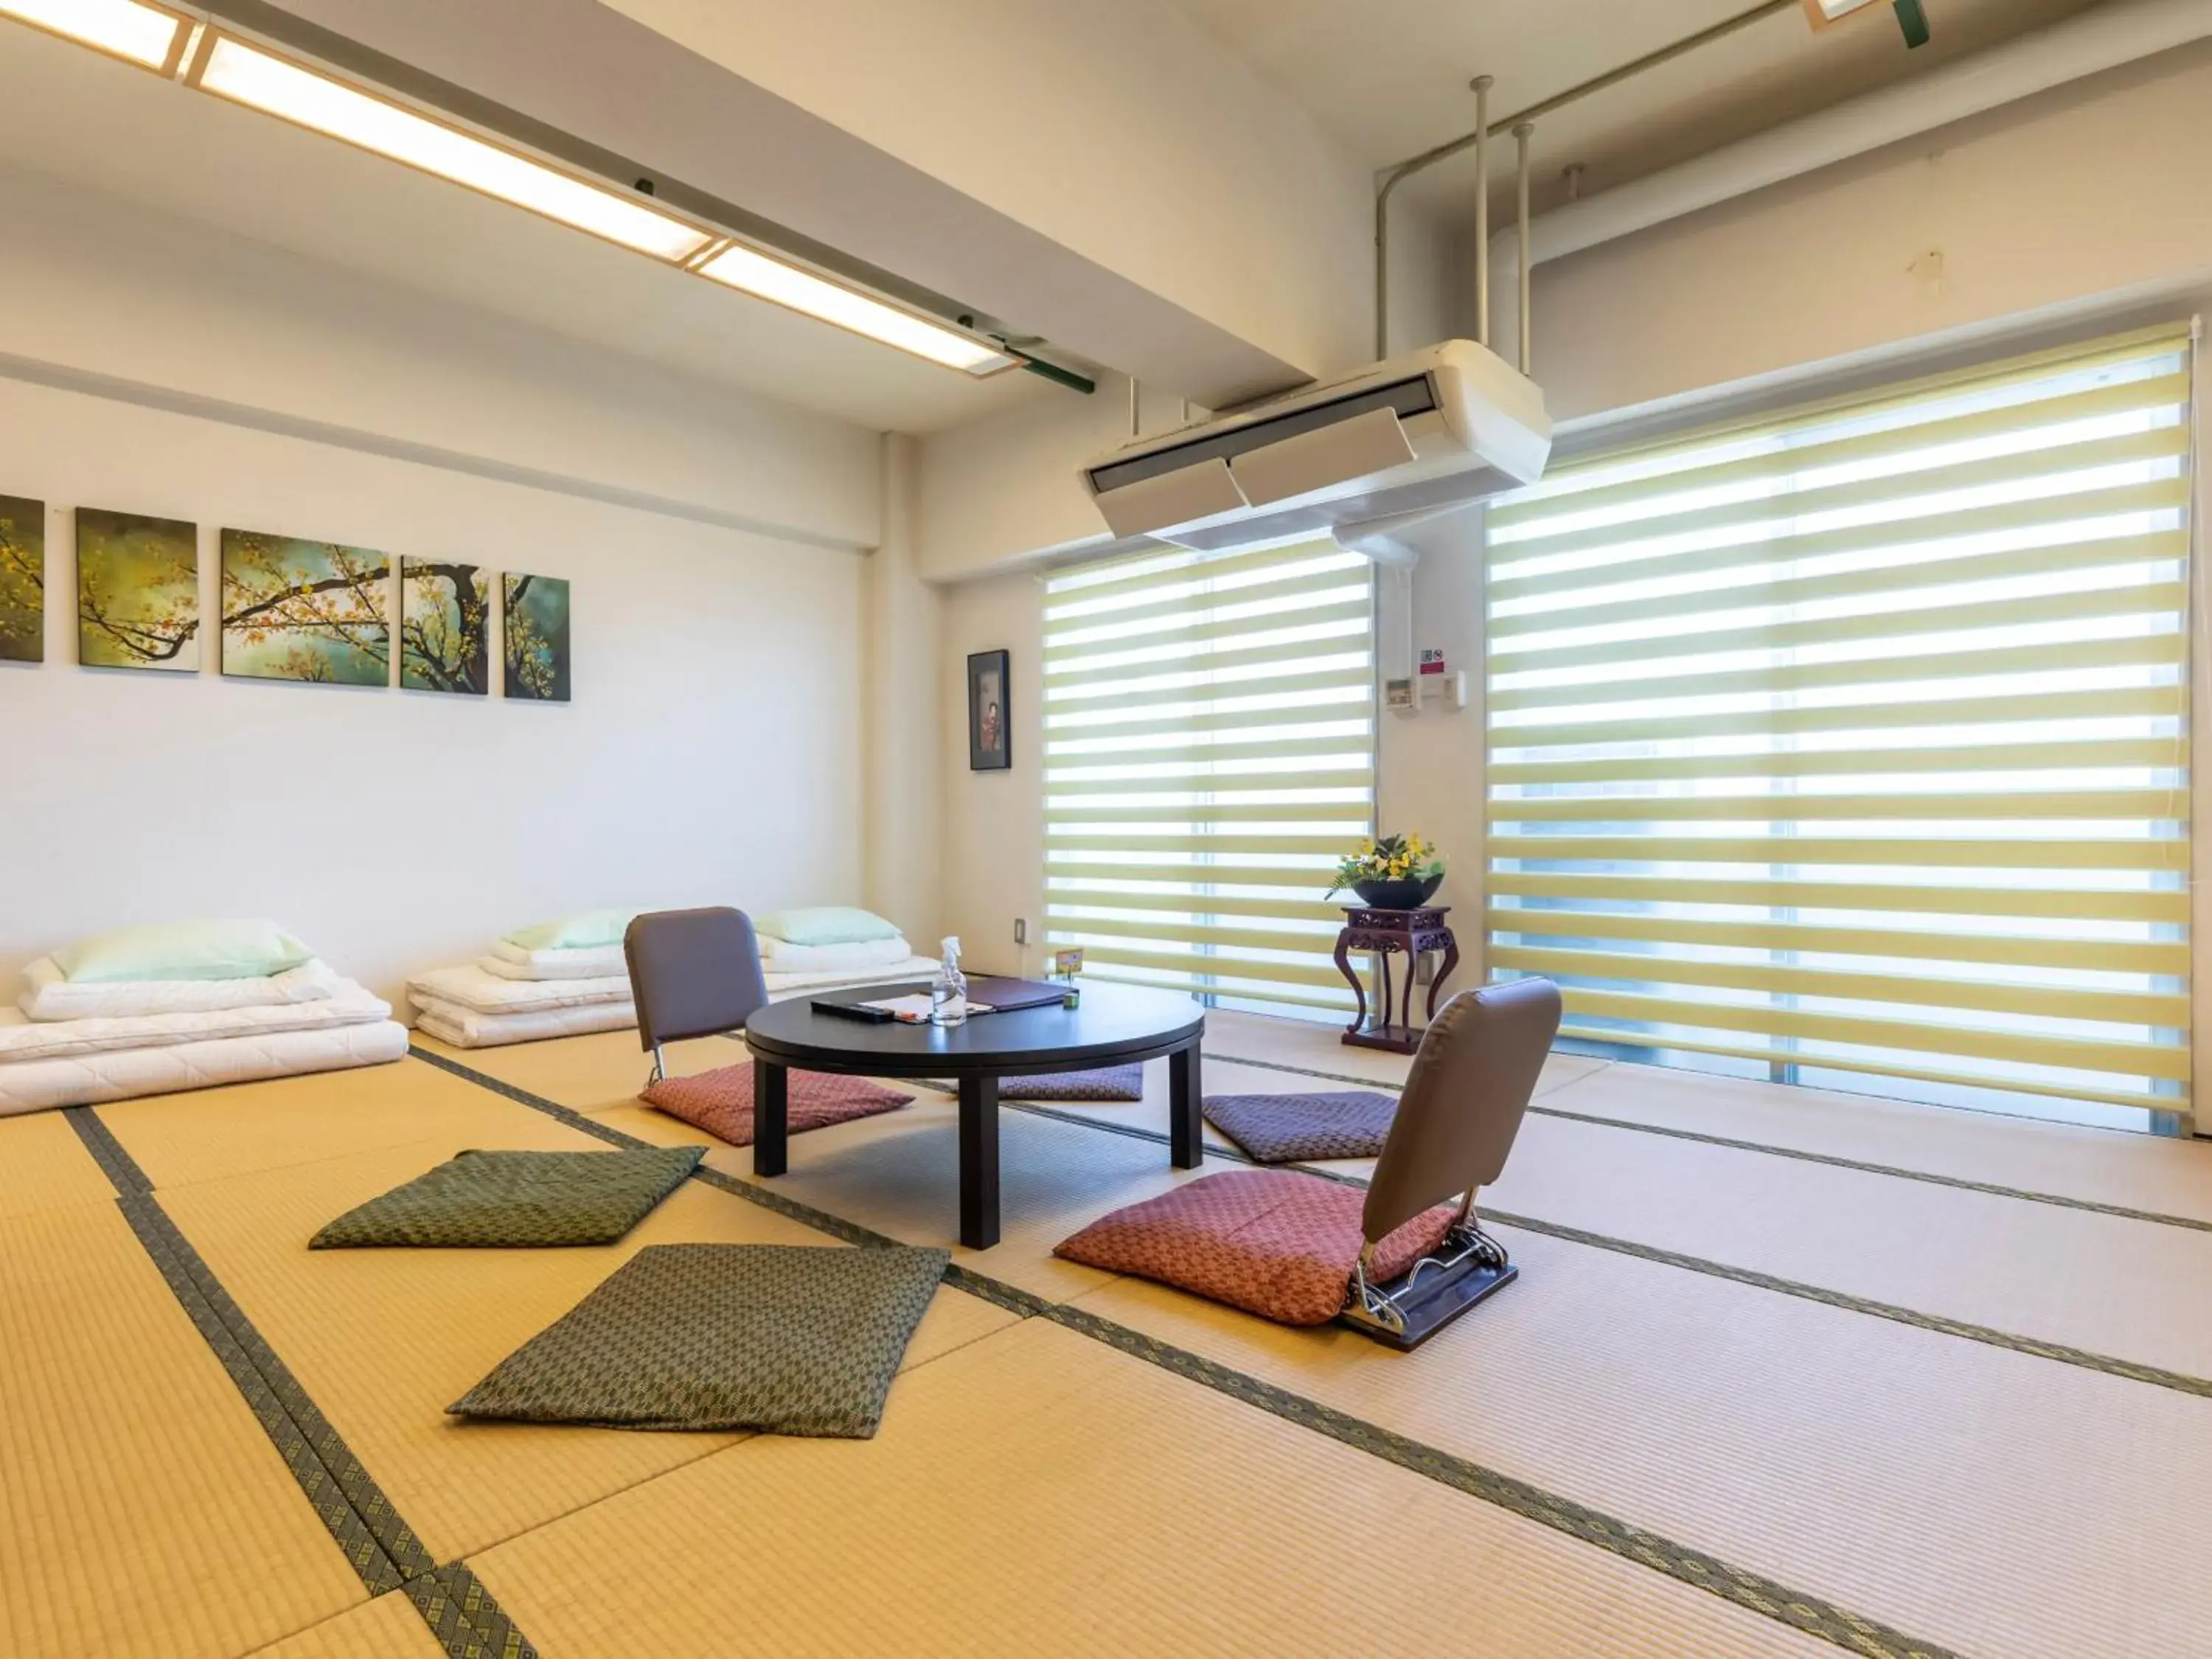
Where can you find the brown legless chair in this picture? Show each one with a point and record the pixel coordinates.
(1397, 1263)
(1464, 1099)
(692, 974)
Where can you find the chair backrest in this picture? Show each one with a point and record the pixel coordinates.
(1463, 1101)
(693, 973)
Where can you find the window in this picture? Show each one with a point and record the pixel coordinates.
(1209, 752)
(1849, 746)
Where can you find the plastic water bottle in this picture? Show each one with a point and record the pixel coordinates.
(948, 996)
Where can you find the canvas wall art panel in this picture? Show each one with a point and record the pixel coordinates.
(295, 610)
(23, 580)
(445, 616)
(536, 618)
(137, 592)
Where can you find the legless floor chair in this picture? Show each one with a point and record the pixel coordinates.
(697, 973)
(1397, 1263)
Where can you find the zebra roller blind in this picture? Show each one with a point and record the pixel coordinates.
(1209, 751)
(1853, 740)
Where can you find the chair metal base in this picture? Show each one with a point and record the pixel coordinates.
(1407, 1311)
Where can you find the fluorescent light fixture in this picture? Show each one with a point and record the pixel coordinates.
(160, 39)
(787, 285)
(246, 75)
(146, 35)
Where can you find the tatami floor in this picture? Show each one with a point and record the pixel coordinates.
(1784, 1373)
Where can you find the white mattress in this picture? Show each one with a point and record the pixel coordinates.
(513, 962)
(23, 1039)
(48, 994)
(86, 1079)
(474, 987)
(465, 1027)
(866, 957)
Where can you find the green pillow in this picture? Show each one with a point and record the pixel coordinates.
(589, 930)
(183, 950)
(795, 1339)
(826, 924)
(517, 1201)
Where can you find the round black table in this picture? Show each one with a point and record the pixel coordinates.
(1115, 1025)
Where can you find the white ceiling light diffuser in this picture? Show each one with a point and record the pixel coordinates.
(246, 75)
(771, 279)
(242, 73)
(151, 36)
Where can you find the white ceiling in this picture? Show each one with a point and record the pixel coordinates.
(89, 121)
(1390, 77)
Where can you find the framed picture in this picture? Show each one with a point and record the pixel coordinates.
(537, 619)
(137, 592)
(23, 580)
(295, 610)
(990, 739)
(445, 611)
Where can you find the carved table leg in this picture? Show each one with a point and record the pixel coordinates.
(1443, 972)
(1344, 967)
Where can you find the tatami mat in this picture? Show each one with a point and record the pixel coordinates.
(1991, 1501)
(142, 1508)
(214, 1133)
(383, 1340)
(386, 1628)
(589, 1073)
(1039, 1493)
(43, 1163)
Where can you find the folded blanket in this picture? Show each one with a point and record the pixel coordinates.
(49, 995)
(464, 1028)
(487, 993)
(30, 1085)
(787, 958)
(513, 962)
(25, 1039)
(914, 970)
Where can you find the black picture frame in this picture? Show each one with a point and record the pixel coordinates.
(990, 721)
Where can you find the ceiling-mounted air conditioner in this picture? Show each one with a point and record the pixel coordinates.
(1419, 434)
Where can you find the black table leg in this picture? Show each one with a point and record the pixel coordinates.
(1186, 1095)
(978, 1162)
(771, 1097)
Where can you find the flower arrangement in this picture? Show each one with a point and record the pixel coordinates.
(1390, 858)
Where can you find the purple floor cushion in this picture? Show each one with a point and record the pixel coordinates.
(1107, 1082)
(1293, 1128)
(720, 1102)
(1272, 1241)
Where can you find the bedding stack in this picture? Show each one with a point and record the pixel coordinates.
(155, 1010)
(831, 946)
(556, 979)
(567, 977)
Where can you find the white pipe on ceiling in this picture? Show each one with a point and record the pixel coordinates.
(2103, 38)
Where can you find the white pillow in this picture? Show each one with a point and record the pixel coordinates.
(49, 994)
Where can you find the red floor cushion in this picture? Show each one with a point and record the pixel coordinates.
(1272, 1241)
(720, 1102)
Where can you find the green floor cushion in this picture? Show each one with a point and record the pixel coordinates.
(791, 1339)
(1296, 1128)
(510, 1200)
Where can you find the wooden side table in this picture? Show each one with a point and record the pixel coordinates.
(1387, 932)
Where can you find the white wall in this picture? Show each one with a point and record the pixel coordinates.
(713, 752)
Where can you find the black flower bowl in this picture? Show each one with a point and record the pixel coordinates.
(1409, 895)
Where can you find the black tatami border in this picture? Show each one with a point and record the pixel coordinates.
(1834, 1160)
(1753, 1591)
(382, 1549)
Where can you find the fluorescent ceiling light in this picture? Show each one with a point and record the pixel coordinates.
(143, 34)
(232, 68)
(787, 285)
(248, 75)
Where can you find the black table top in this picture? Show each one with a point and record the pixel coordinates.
(1115, 1023)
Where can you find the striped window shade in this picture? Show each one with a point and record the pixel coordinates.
(1849, 745)
(1209, 753)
